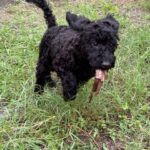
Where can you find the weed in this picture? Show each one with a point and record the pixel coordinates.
(118, 117)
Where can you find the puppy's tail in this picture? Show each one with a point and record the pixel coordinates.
(48, 14)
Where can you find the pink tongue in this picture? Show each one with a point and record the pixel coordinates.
(100, 74)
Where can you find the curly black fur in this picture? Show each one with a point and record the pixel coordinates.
(74, 52)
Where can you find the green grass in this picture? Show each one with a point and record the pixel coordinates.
(145, 4)
(119, 116)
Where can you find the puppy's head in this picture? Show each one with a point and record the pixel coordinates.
(99, 39)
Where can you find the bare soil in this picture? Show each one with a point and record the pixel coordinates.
(4, 3)
(133, 10)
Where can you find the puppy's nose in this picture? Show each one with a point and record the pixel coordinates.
(106, 64)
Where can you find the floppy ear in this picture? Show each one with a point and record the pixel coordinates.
(76, 22)
(111, 21)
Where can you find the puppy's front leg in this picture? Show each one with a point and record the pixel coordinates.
(69, 84)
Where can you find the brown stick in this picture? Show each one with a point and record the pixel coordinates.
(96, 88)
(99, 86)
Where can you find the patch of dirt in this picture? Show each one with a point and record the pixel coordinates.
(137, 16)
(148, 100)
(101, 141)
(3, 112)
(5, 16)
(4, 3)
(123, 2)
(132, 10)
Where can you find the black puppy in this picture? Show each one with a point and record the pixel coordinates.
(74, 52)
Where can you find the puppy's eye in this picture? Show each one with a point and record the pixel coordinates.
(94, 43)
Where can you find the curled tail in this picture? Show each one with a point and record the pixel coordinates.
(48, 14)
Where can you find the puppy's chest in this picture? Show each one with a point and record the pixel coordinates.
(83, 71)
(82, 65)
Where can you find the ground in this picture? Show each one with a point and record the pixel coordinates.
(117, 119)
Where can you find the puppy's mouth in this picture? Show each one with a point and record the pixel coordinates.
(101, 74)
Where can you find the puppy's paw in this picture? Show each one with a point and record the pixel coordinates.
(52, 84)
(38, 89)
(69, 96)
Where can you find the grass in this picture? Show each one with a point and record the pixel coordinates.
(117, 118)
(145, 4)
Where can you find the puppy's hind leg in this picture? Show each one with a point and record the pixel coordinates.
(43, 69)
(43, 75)
(41, 72)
